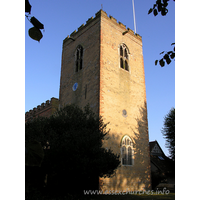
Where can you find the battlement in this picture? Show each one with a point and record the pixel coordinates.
(97, 15)
(41, 110)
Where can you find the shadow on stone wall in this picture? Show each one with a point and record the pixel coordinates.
(137, 176)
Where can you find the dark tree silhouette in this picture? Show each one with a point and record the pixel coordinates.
(74, 157)
(168, 132)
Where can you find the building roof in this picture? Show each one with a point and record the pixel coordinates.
(155, 148)
(164, 164)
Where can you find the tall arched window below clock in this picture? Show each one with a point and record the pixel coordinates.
(124, 60)
(127, 152)
(79, 58)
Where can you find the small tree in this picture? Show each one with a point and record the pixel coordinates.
(74, 157)
(168, 132)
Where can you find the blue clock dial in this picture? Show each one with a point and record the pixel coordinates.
(75, 86)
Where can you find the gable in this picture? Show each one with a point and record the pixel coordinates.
(156, 150)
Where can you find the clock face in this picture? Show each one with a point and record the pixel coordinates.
(75, 86)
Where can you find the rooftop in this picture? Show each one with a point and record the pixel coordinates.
(103, 14)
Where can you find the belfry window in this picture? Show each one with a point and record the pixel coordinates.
(124, 57)
(79, 58)
(127, 151)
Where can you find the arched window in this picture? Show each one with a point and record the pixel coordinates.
(79, 58)
(127, 150)
(124, 57)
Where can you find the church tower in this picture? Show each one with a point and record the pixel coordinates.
(102, 64)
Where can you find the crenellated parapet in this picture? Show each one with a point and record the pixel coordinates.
(97, 15)
(45, 109)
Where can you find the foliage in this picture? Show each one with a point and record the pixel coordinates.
(156, 178)
(74, 157)
(167, 57)
(161, 6)
(34, 153)
(168, 132)
(33, 32)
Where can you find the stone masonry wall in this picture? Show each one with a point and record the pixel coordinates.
(87, 78)
(119, 90)
(44, 110)
(109, 90)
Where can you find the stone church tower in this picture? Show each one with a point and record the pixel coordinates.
(102, 64)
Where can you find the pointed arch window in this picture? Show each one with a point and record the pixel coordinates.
(79, 58)
(124, 64)
(127, 151)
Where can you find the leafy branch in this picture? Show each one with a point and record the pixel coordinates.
(159, 6)
(33, 32)
(167, 57)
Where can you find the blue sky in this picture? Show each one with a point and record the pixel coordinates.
(61, 18)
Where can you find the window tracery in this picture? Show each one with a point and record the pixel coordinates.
(124, 63)
(79, 58)
(127, 151)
